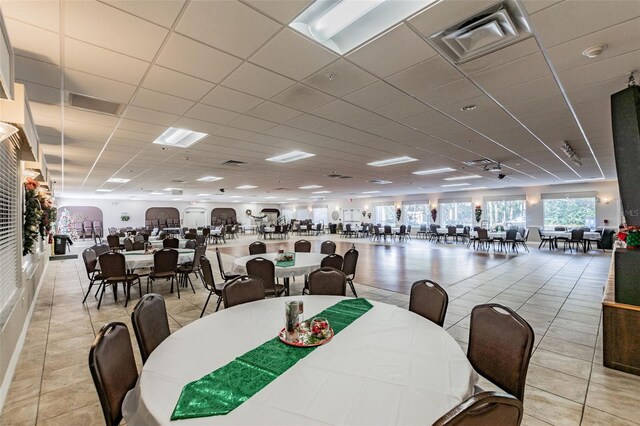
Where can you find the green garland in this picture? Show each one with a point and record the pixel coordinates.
(32, 220)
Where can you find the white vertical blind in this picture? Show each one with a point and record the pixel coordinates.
(9, 244)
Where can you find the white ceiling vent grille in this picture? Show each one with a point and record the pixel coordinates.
(94, 104)
(490, 30)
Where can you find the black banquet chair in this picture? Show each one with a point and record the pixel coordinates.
(243, 289)
(484, 409)
(327, 281)
(349, 267)
(429, 300)
(150, 323)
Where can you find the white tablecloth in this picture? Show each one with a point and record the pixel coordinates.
(564, 234)
(158, 244)
(305, 264)
(135, 259)
(390, 366)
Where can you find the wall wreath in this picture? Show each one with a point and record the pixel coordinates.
(248, 212)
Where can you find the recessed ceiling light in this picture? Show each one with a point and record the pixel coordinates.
(291, 199)
(270, 198)
(235, 201)
(371, 192)
(310, 187)
(468, 108)
(392, 161)
(477, 187)
(203, 195)
(321, 192)
(464, 177)
(236, 196)
(180, 138)
(176, 199)
(118, 180)
(434, 171)
(454, 184)
(363, 196)
(594, 51)
(246, 187)
(341, 25)
(291, 156)
(172, 189)
(380, 181)
(209, 179)
(103, 190)
(156, 193)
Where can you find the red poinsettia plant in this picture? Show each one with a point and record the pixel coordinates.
(630, 235)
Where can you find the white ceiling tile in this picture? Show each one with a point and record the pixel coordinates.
(450, 93)
(227, 25)
(414, 50)
(235, 133)
(516, 72)
(273, 112)
(196, 59)
(98, 87)
(586, 17)
(293, 55)
(161, 12)
(42, 73)
(257, 81)
(197, 125)
(40, 93)
(177, 84)
(428, 75)
(302, 98)
(535, 89)
(281, 10)
(502, 56)
(233, 100)
(308, 122)
(375, 95)
(338, 110)
(105, 26)
(161, 102)
(253, 124)
(365, 121)
(606, 69)
(212, 114)
(103, 62)
(41, 13)
(406, 107)
(534, 6)
(150, 116)
(33, 42)
(340, 78)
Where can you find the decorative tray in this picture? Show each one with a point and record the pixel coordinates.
(286, 259)
(306, 339)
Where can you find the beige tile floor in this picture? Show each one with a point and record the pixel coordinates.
(559, 294)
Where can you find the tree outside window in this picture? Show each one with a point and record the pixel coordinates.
(385, 215)
(569, 212)
(416, 214)
(507, 213)
(459, 213)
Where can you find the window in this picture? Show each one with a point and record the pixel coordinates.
(9, 244)
(320, 214)
(455, 213)
(416, 213)
(288, 214)
(303, 214)
(505, 212)
(385, 214)
(569, 211)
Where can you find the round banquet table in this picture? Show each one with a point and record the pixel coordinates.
(305, 264)
(390, 366)
(137, 259)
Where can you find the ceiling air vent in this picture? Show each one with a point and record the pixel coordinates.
(480, 162)
(282, 189)
(490, 30)
(336, 176)
(94, 104)
(233, 163)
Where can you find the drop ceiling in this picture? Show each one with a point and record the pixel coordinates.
(234, 70)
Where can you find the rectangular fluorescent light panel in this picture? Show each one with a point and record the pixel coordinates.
(246, 187)
(118, 180)
(341, 25)
(392, 161)
(321, 192)
(203, 195)
(156, 193)
(464, 177)
(310, 187)
(434, 171)
(380, 182)
(209, 179)
(291, 199)
(179, 138)
(290, 156)
(454, 184)
(104, 190)
(236, 196)
(371, 192)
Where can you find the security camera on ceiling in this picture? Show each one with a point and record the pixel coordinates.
(501, 176)
(221, 189)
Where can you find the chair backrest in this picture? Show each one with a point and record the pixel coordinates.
(451, 230)
(206, 232)
(201, 239)
(138, 237)
(433, 227)
(429, 300)
(540, 233)
(171, 243)
(511, 234)
(577, 234)
(90, 260)
(403, 229)
(408, 229)
(387, 229)
(332, 261)
(165, 260)
(522, 231)
(100, 249)
(113, 241)
(201, 249)
(138, 245)
(190, 235)
(302, 246)
(241, 290)
(257, 247)
(328, 281)
(113, 369)
(207, 275)
(191, 244)
(350, 262)
(220, 264)
(348, 227)
(128, 244)
(423, 228)
(150, 323)
(328, 247)
(559, 228)
(500, 344)
(483, 234)
(484, 409)
(112, 265)
(376, 230)
(263, 269)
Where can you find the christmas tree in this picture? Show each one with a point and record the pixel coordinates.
(65, 227)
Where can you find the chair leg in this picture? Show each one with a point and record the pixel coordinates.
(88, 291)
(353, 288)
(205, 304)
(103, 284)
(177, 286)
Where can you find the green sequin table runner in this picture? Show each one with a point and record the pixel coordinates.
(229, 386)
